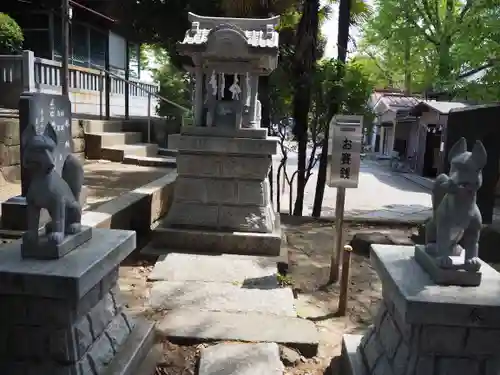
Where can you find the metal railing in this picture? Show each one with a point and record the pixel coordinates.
(150, 94)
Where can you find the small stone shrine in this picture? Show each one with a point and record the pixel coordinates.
(37, 111)
(61, 310)
(223, 160)
(438, 314)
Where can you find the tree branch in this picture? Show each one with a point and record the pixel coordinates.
(428, 36)
(433, 19)
(427, 15)
(465, 9)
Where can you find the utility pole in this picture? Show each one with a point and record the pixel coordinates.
(65, 17)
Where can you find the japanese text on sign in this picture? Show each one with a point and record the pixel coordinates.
(344, 150)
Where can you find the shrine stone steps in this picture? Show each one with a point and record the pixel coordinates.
(95, 142)
(167, 152)
(241, 359)
(118, 152)
(116, 141)
(226, 297)
(151, 161)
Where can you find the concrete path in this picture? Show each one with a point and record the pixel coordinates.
(382, 196)
(229, 298)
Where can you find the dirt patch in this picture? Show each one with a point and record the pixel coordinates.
(310, 245)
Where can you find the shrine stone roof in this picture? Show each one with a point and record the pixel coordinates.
(259, 33)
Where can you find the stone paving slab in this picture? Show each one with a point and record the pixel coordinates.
(216, 268)
(298, 333)
(241, 359)
(209, 296)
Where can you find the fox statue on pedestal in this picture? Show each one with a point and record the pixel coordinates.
(456, 221)
(58, 193)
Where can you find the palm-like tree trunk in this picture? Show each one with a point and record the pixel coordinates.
(304, 66)
(342, 42)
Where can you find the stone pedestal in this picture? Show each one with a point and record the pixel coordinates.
(65, 316)
(14, 212)
(423, 328)
(222, 187)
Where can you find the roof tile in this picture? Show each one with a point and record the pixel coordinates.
(255, 38)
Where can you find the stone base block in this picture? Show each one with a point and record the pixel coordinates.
(352, 363)
(228, 218)
(65, 316)
(425, 328)
(206, 241)
(46, 250)
(443, 276)
(14, 212)
(260, 133)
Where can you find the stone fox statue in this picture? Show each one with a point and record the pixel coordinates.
(58, 194)
(456, 217)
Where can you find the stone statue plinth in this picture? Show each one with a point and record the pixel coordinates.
(66, 317)
(425, 328)
(222, 187)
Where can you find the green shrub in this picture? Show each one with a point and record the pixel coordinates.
(11, 35)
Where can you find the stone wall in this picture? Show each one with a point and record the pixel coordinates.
(391, 346)
(10, 152)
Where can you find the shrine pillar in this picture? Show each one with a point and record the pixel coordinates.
(254, 93)
(198, 97)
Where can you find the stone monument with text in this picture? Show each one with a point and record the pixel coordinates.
(439, 315)
(61, 309)
(38, 111)
(222, 196)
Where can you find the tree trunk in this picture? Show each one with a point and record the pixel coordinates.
(342, 42)
(407, 66)
(304, 64)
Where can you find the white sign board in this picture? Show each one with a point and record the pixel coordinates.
(344, 149)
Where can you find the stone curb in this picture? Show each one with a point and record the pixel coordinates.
(135, 210)
(360, 220)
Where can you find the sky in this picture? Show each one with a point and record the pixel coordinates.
(330, 28)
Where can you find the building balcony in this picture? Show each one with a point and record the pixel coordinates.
(92, 92)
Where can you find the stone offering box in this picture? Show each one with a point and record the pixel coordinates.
(66, 317)
(422, 328)
(222, 199)
(39, 109)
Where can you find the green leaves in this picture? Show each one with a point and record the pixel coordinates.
(11, 35)
(434, 40)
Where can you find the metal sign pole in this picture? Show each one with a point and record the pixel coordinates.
(339, 229)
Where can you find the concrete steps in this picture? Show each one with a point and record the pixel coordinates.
(224, 298)
(95, 142)
(118, 152)
(102, 126)
(151, 161)
(167, 152)
(110, 140)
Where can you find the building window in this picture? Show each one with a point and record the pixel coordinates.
(80, 45)
(98, 43)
